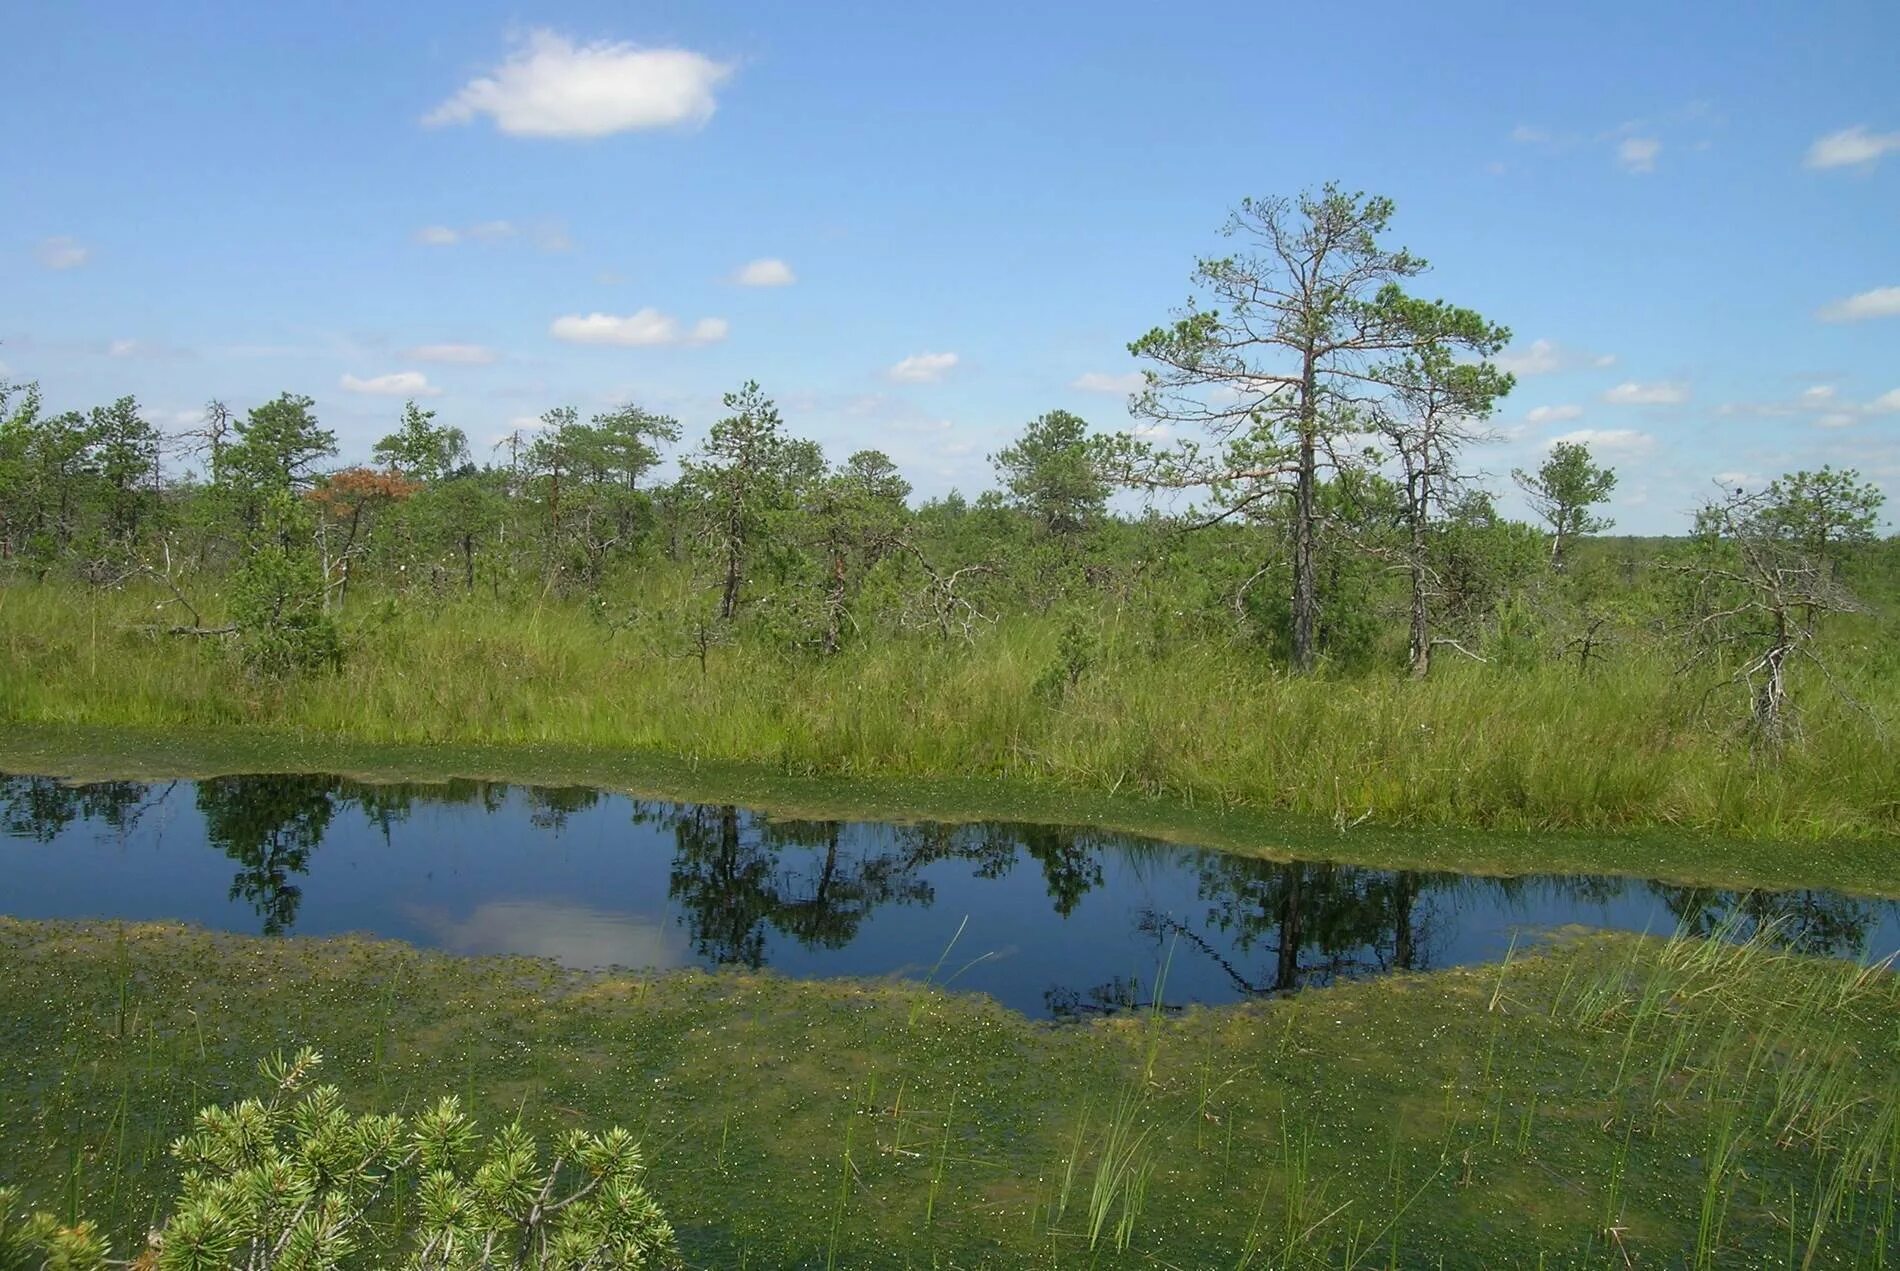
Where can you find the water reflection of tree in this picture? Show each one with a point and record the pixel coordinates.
(723, 883)
(736, 876)
(1071, 862)
(269, 826)
(1806, 921)
(1269, 927)
(41, 808)
(1314, 922)
(550, 807)
(824, 899)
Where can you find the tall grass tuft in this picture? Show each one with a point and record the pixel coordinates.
(1210, 723)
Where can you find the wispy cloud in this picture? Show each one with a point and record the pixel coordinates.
(1881, 302)
(456, 354)
(923, 368)
(1821, 404)
(394, 384)
(143, 349)
(548, 236)
(549, 86)
(1851, 148)
(642, 328)
(1104, 382)
(1614, 441)
(767, 271)
(1638, 154)
(62, 252)
(1547, 357)
(1632, 393)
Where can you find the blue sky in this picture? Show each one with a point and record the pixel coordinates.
(1689, 214)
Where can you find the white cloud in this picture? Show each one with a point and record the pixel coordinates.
(1619, 441)
(62, 253)
(1539, 359)
(551, 87)
(923, 368)
(395, 384)
(1851, 147)
(1541, 415)
(1546, 357)
(767, 271)
(1525, 134)
(449, 235)
(1638, 154)
(457, 354)
(572, 935)
(1631, 393)
(144, 348)
(1822, 403)
(1881, 302)
(642, 328)
(1104, 382)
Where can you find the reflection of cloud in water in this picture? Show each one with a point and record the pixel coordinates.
(573, 935)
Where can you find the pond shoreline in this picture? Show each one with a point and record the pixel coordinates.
(1868, 867)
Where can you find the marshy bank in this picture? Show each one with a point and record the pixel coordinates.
(1682, 1102)
(1681, 856)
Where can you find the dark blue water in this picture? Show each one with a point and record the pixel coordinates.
(1051, 921)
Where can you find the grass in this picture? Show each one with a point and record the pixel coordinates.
(1678, 1102)
(1189, 724)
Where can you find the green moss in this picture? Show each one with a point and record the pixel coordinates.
(1558, 1107)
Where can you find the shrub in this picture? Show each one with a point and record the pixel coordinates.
(295, 1181)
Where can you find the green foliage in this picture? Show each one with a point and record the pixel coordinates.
(278, 447)
(1271, 363)
(292, 1181)
(1821, 512)
(748, 475)
(1077, 649)
(421, 449)
(1563, 490)
(1055, 472)
(277, 595)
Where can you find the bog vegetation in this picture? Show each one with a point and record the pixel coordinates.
(1287, 585)
(1610, 1102)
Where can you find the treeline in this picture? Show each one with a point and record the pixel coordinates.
(1323, 412)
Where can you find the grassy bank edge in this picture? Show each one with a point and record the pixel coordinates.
(1869, 866)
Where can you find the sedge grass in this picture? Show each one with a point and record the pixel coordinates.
(1757, 1118)
(1198, 724)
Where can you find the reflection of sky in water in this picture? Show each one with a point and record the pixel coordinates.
(1043, 918)
(573, 935)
